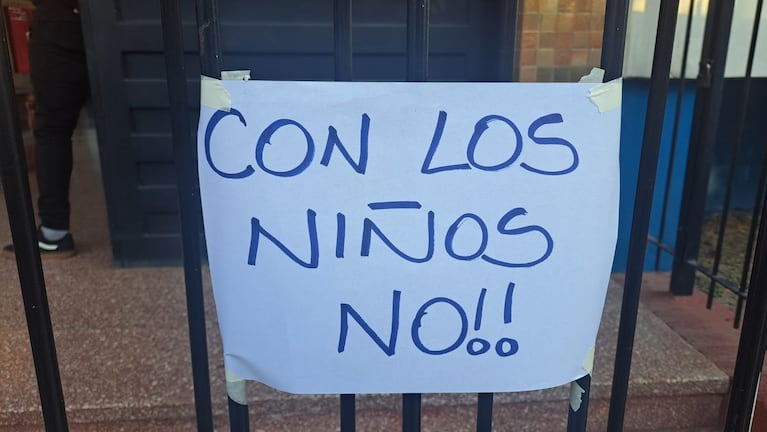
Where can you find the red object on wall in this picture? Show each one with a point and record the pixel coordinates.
(18, 29)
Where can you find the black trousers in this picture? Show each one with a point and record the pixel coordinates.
(60, 78)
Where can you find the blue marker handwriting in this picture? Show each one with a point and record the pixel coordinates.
(504, 347)
(374, 241)
(371, 231)
(334, 145)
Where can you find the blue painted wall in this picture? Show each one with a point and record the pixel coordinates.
(748, 165)
(635, 93)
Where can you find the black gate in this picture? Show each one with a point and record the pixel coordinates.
(725, 131)
(725, 179)
(417, 69)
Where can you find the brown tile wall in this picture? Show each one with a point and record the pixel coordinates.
(561, 40)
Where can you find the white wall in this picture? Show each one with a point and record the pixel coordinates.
(643, 24)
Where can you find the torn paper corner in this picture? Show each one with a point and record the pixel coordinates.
(596, 76)
(588, 361)
(237, 75)
(236, 388)
(214, 95)
(607, 96)
(576, 396)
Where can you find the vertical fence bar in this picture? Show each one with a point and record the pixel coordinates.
(348, 407)
(705, 123)
(675, 133)
(189, 206)
(417, 70)
(659, 83)
(411, 412)
(758, 200)
(485, 412)
(342, 53)
(748, 366)
(508, 40)
(418, 40)
(342, 40)
(580, 392)
(761, 191)
(725, 215)
(740, 126)
(614, 38)
(237, 397)
(613, 43)
(210, 65)
(210, 42)
(238, 412)
(22, 222)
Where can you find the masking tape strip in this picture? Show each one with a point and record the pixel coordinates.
(214, 95)
(241, 75)
(576, 396)
(596, 76)
(607, 96)
(236, 388)
(588, 362)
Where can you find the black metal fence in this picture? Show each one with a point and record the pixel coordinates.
(706, 132)
(697, 262)
(17, 196)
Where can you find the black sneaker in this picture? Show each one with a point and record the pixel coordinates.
(59, 249)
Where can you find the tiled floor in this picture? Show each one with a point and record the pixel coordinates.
(710, 331)
(124, 353)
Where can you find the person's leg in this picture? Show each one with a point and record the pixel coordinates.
(59, 77)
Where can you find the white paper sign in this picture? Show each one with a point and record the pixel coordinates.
(408, 237)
